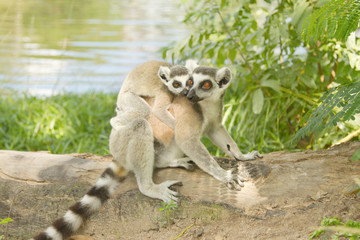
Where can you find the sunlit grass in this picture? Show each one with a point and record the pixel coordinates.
(59, 124)
(71, 123)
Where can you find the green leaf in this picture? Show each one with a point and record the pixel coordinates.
(257, 101)
(220, 56)
(6, 220)
(356, 156)
(223, 2)
(232, 54)
(191, 41)
(301, 11)
(271, 84)
(164, 53)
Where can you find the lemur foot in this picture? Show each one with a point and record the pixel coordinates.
(185, 163)
(249, 156)
(161, 191)
(234, 181)
(253, 155)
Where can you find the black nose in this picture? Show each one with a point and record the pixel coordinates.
(192, 96)
(184, 92)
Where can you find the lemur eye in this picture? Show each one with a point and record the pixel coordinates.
(190, 82)
(206, 85)
(176, 84)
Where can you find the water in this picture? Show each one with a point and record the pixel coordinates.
(48, 47)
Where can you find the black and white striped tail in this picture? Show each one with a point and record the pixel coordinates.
(89, 204)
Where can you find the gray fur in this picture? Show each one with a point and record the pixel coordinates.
(198, 110)
(206, 71)
(178, 70)
(134, 148)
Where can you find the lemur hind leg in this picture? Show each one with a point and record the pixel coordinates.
(133, 147)
(171, 156)
(184, 162)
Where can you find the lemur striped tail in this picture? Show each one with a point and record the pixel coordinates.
(89, 204)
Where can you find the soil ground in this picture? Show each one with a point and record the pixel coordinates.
(286, 197)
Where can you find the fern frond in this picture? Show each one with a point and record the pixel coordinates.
(336, 105)
(336, 19)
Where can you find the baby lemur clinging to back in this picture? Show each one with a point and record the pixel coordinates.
(173, 82)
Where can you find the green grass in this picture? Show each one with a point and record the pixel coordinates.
(71, 123)
(334, 228)
(59, 124)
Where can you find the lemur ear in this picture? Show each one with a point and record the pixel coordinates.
(223, 77)
(164, 74)
(191, 65)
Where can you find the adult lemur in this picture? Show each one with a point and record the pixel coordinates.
(134, 147)
(133, 132)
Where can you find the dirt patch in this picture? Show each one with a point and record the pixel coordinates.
(285, 198)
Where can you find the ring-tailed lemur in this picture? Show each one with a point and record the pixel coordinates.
(133, 147)
(198, 115)
(131, 126)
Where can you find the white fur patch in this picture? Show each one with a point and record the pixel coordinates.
(229, 175)
(183, 79)
(53, 233)
(107, 182)
(73, 219)
(92, 202)
(103, 182)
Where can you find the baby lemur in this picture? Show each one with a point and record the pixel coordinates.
(173, 82)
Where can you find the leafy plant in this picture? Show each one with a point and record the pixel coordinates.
(277, 77)
(169, 213)
(339, 104)
(5, 221)
(335, 19)
(350, 229)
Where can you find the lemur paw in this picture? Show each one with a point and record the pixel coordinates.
(163, 192)
(253, 155)
(186, 163)
(235, 182)
(170, 195)
(249, 156)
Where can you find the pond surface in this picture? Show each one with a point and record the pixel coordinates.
(54, 46)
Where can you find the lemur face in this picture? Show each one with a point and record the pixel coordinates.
(208, 83)
(175, 79)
